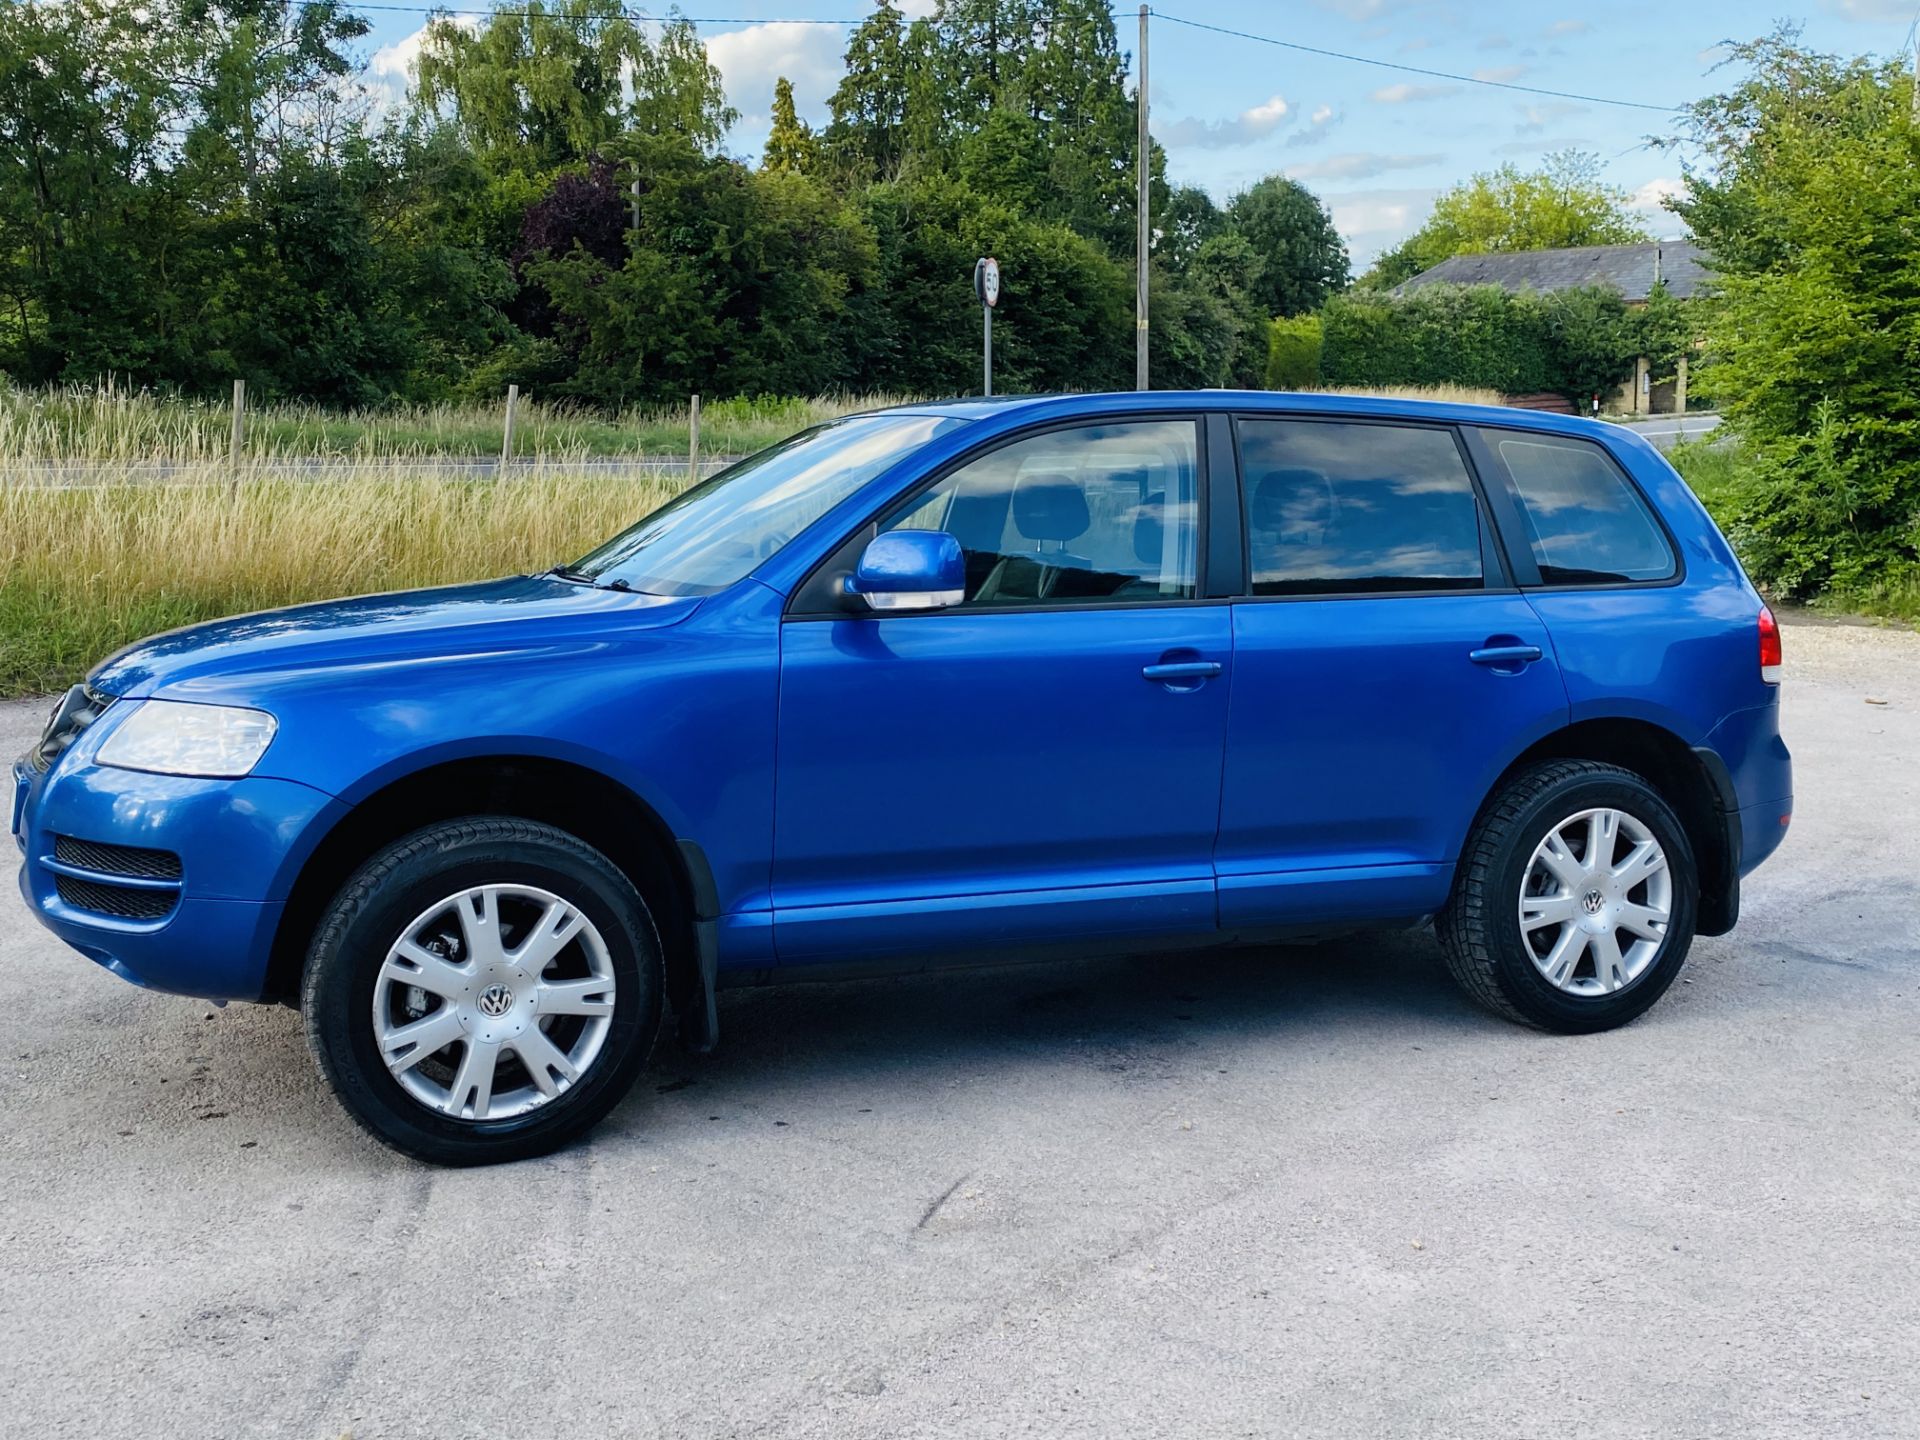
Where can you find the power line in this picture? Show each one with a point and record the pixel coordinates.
(352, 5)
(1413, 69)
(643, 16)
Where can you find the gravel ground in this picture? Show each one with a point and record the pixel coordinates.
(1285, 1193)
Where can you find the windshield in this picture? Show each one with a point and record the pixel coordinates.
(715, 533)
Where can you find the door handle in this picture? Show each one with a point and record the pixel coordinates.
(1506, 654)
(1183, 670)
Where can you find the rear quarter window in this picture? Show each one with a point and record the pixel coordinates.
(1585, 521)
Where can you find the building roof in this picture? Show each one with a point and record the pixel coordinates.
(1630, 269)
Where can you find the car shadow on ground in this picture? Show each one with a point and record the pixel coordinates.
(779, 1042)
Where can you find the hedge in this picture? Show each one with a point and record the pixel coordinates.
(1293, 353)
(1573, 342)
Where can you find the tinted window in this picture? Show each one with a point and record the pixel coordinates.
(1077, 516)
(1335, 507)
(1585, 520)
(715, 533)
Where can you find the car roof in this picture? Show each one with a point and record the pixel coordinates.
(1281, 402)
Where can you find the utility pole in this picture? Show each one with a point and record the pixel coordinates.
(1145, 239)
(1916, 75)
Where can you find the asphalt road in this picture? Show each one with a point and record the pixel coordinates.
(1666, 431)
(1303, 1192)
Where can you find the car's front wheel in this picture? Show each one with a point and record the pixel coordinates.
(1574, 903)
(485, 989)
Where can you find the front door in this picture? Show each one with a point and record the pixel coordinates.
(1040, 761)
(1384, 673)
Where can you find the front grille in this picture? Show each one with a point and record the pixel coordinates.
(116, 859)
(118, 900)
(75, 711)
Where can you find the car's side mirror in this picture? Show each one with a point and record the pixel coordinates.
(910, 570)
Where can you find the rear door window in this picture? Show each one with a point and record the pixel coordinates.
(1585, 521)
(1339, 508)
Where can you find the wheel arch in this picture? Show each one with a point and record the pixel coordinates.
(1691, 779)
(670, 874)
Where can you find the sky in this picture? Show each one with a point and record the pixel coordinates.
(1376, 144)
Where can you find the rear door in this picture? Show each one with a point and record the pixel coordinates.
(1041, 761)
(1385, 671)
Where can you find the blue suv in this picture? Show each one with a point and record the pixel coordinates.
(967, 681)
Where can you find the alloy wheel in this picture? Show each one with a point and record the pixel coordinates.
(1595, 902)
(493, 1002)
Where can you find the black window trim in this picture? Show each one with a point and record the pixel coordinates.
(1497, 573)
(1513, 518)
(802, 605)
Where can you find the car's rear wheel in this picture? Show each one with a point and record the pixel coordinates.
(483, 990)
(1575, 899)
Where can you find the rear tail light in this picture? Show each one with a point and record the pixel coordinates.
(1769, 647)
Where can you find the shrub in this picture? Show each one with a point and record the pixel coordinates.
(1293, 352)
(1807, 205)
(1574, 342)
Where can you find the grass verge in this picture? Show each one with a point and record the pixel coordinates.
(86, 570)
(102, 423)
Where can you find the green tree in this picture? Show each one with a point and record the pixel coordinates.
(868, 132)
(1303, 259)
(1805, 194)
(790, 142)
(736, 282)
(552, 82)
(1064, 320)
(1186, 220)
(1564, 203)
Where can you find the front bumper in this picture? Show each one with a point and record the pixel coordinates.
(239, 843)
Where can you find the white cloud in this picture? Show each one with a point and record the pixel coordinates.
(1499, 74)
(1568, 27)
(1889, 12)
(1375, 220)
(1649, 197)
(389, 73)
(751, 60)
(1359, 165)
(1245, 128)
(1402, 93)
(1497, 42)
(1320, 124)
(1536, 118)
(1357, 9)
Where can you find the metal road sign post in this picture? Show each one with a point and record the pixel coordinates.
(986, 285)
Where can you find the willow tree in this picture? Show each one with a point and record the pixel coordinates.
(553, 82)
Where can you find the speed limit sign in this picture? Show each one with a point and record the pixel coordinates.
(986, 281)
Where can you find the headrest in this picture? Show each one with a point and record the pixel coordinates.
(1291, 499)
(1149, 529)
(1049, 507)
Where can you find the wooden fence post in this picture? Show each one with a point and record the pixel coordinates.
(693, 442)
(506, 437)
(237, 444)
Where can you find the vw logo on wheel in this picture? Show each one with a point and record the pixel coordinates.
(495, 1001)
(1593, 903)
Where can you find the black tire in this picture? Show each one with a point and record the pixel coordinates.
(1480, 932)
(350, 946)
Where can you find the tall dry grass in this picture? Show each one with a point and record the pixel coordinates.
(86, 569)
(109, 423)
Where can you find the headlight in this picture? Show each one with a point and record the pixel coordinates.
(170, 738)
